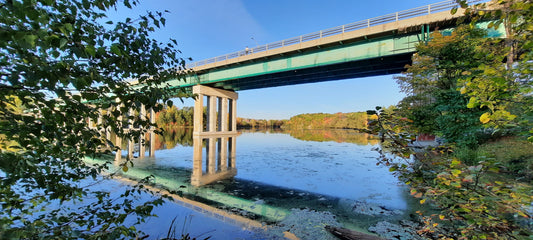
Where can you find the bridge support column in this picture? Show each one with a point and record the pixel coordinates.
(131, 141)
(219, 135)
(118, 142)
(227, 110)
(152, 134)
(144, 138)
(142, 142)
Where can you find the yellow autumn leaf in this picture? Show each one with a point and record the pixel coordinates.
(485, 118)
(522, 214)
(441, 217)
(463, 90)
(422, 201)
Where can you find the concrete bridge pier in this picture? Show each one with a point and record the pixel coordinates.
(218, 122)
(151, 134)
(118, 142)
(143, 141)
(219, 135)
(142, 137)
(131, 142)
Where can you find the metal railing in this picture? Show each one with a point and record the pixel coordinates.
(393, 17)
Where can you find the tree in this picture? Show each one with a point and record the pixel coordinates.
(473, 201)
(467, 82)
(65, 62)
(504, 90)
(434, 104)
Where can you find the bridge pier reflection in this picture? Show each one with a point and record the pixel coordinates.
(219, 159)
(219, 135)
(146, 138)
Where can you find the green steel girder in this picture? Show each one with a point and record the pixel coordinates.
(366, 57)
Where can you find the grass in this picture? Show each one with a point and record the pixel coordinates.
(513, 154)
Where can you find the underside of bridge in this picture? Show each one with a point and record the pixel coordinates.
(339, 71)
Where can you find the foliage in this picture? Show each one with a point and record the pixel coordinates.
(173, 136)
(175, 117)
(504, 90)
(354, 120)
(259, 123)
(434, 104)
(61, 62)
(474, 202)
(514, 153)
(463, 86)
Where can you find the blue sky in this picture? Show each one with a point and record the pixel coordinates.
(209, 28)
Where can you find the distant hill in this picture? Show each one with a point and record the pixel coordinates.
(259, 123)
(353, 120)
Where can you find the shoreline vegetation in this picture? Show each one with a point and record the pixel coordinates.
(171, 117)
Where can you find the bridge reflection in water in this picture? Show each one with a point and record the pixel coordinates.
(200, 169)
(220, 154)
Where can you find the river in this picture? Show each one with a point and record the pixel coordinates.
(278, 181)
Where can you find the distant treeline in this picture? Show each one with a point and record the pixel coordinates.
(353, 120)
(259, 123)
(172, 116)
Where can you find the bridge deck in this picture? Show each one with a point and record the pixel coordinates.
(377, 46)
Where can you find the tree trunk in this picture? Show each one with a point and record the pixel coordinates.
(347, 234)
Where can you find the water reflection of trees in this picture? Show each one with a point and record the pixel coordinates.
(173, 136)
(337, 135)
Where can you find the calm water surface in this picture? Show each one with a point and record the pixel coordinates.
(326, 171)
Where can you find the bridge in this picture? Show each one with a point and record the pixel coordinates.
(376, 46)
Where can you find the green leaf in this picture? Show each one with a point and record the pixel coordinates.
(30, 39)
(455, 162)
(90, 50)
(69, 27)
(472, 103)
(456, 172)
(453, 11)
(62, 42)
(115, 49)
